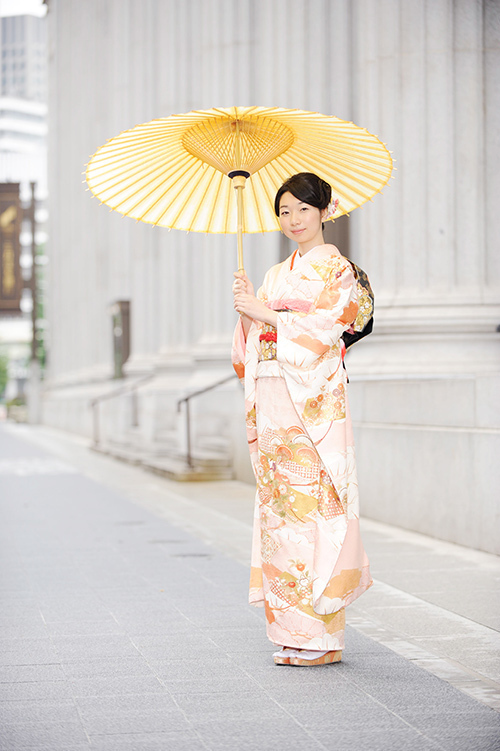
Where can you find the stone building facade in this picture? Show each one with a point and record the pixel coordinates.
(425, 387)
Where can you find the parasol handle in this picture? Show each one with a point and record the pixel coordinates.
(239, 181)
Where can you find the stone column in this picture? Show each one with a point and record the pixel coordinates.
(424, 387)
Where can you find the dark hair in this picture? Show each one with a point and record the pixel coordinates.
(306, 187)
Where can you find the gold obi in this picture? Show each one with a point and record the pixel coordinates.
(267, 339)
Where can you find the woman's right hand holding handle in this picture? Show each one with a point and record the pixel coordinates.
(242, 284)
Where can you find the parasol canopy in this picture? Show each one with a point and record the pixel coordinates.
(172, 172)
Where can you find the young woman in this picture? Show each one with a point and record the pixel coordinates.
(308, 561)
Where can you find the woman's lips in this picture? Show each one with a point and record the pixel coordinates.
(297, 231)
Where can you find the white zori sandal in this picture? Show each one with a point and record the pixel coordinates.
(305, 657)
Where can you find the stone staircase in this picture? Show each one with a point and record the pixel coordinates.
(210, 460)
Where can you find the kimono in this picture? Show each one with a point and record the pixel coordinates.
(308, 561)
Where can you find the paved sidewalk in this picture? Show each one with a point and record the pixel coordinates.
(125, 624)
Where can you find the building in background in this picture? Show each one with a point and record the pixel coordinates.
(23, 160)
(425, 387)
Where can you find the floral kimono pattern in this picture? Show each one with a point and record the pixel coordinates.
(308, 561)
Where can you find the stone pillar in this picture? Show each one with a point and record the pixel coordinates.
(424, 387)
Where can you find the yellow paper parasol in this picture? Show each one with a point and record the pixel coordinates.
(172, 171)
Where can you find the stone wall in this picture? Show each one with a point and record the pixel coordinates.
(424, 76)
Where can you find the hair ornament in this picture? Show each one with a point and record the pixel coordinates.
(331, 208)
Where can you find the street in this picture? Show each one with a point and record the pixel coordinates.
(125, 625)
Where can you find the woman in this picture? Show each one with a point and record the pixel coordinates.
(308, 561)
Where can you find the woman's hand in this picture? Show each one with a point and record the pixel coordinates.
(248, 305)
(242, 283)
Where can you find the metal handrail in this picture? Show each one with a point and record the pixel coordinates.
(129, 388)
(187, 399)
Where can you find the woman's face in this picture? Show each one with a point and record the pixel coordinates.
(300, 221)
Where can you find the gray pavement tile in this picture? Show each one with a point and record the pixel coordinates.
(377, 740)
(184, 740)
(240, 705)
(76, 615)
(247, 640)
(458, 647)
(178, 646)
(33, 691)
(295, 742)
(13, 574)
(39, 548)
(444, 720)
(53, 581)
(340, 715)
(290, 677)
(225, 576)
(14, 593)
(25, 642)
(28, 652)
(19, 712)
(105, 560)
(221, 621)
(293, 678)
(146, 612)
(18, 611)
(125, 703)
(200, 593)
(255, 661)
(193, 549)
(299, 701)
(157, 610)
(135, 722)
(32, 629)
(216, 598)
(106, 581)
(400, 698)
(106, 686)
(113, 668)
(72, 647)
(131, 597)
(66, 609)
(90, 590)
(84, 628)
(357, 643)
(203, 668)
(161, 629)
(177, 641)
(269, 733)
(373, 673)
(488, 666)
(212, 685)
(478, 739)
(52, 746)
(55, 735)
(355, 656)
(167, 651)
(31, 673)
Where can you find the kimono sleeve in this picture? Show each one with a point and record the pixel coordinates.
(238, 351)
(305, 338)
(239, 347)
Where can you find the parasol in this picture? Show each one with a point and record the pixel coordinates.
(173, 171)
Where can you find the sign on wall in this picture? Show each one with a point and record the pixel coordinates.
(11, 283)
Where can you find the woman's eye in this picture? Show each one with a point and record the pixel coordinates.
(304, 208)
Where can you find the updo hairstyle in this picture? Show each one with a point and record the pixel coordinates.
(306, 187)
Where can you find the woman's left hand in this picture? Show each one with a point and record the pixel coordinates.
(250, 306)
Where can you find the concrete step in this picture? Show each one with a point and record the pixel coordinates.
(122, 451)
(178, 469)
(204, 467)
